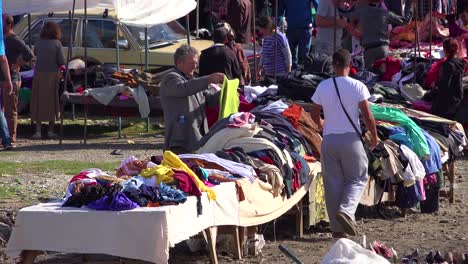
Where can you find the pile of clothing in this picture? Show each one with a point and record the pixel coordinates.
(156, 181)
(276, 138)
(412, 151)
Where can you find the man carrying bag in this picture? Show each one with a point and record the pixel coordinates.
(344, 156)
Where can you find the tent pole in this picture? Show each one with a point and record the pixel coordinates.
(430, 32)
(334, 31)
(71, 17)
(146, 48)
(254, 41)
(416, 38)
(198, 18)
(146, 69)
(117, 56)
(29, 31)
(187, 24)
(276, 35)
(85, 40)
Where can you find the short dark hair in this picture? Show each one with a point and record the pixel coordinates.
(184, 51)
(51, 30)
(220, 35)
(265, 22)
(450, 47)
(8, 20)
(342, 58)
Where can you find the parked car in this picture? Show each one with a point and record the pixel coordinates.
(164, 39)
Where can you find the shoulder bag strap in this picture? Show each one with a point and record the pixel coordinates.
(346, 113)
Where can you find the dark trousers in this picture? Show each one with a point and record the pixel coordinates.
(299, 40)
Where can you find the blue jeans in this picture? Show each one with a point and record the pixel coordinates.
(299, 40)
(4, 134)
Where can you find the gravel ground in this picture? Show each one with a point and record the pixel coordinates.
(445, 231)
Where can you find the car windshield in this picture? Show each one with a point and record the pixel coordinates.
(168, 32)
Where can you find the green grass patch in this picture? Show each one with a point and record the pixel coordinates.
(101, 127)
(67, 167)
(7, 192)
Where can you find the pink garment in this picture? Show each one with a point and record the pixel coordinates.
(430, 179)
(423, 191)
(422, 106)
(240, 119)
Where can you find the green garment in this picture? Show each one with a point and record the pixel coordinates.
(421, 148)
(229, 99)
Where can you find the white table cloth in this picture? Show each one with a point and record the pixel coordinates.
(142, 233)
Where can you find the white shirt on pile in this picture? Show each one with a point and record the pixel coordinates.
(352, 93)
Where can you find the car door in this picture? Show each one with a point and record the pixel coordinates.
(101, 44)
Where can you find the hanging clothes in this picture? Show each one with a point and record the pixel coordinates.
(229, 99)
(414, 132)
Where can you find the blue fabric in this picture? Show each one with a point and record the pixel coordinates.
(298, 13)
(408, 197)
(433, 164)
(131, 185)
(4, 134)
(399, 135)
(168, 194)
(2, 44)
(300, 40)
(118, 202)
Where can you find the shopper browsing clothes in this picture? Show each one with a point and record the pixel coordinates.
(45, 97)
(344, 160)
(18, 54)
(183, 99)
(458, 28)
(275, 49)
(7, 88)
(449, 87)
(239, 51)
(373, 22)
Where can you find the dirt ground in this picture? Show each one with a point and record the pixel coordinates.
(446, 231)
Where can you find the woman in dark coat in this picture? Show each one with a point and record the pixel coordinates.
(450, 85)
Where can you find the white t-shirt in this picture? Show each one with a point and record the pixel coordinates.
(352, 93)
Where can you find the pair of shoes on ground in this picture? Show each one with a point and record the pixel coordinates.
(50, 135)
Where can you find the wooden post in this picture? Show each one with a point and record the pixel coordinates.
(254, 41)
(299, 219)
(276, 35)
(211, 237)
(85, 43)
(451, 177)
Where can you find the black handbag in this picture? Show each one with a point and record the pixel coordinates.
(374, 166)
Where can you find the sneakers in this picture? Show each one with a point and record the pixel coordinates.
(347, 223)
(8, 147)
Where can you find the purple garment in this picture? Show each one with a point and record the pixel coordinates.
(118, 202)
(456, 31)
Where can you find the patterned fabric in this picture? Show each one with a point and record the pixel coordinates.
(317, 206)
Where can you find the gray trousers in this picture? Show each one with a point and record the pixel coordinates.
(344, 166)
(371, 55)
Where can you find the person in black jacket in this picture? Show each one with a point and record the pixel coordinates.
(450, 83)
(219, 58)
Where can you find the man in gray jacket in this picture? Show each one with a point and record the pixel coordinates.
(183, 99)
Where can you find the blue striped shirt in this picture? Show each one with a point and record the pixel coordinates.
(268, 55)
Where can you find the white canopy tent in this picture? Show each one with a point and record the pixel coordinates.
(141, 13)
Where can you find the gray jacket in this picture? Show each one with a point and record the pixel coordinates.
(183, 102)
(374, 23)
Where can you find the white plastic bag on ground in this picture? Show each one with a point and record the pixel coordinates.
(346, 251)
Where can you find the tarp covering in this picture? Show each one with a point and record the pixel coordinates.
(143, 13)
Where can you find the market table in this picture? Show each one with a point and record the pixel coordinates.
(116, 108)
(141, 233)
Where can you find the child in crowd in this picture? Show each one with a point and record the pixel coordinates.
(450, 84)
(272, 53)
(373, 22)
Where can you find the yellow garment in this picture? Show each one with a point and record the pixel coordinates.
(163, 173)
(171, 160)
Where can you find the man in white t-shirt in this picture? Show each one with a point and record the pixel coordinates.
(344, 160)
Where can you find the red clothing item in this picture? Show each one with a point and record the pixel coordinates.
(186, 183)
(81, 176)
(432, 75)
(392, 67)
(212, 114)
